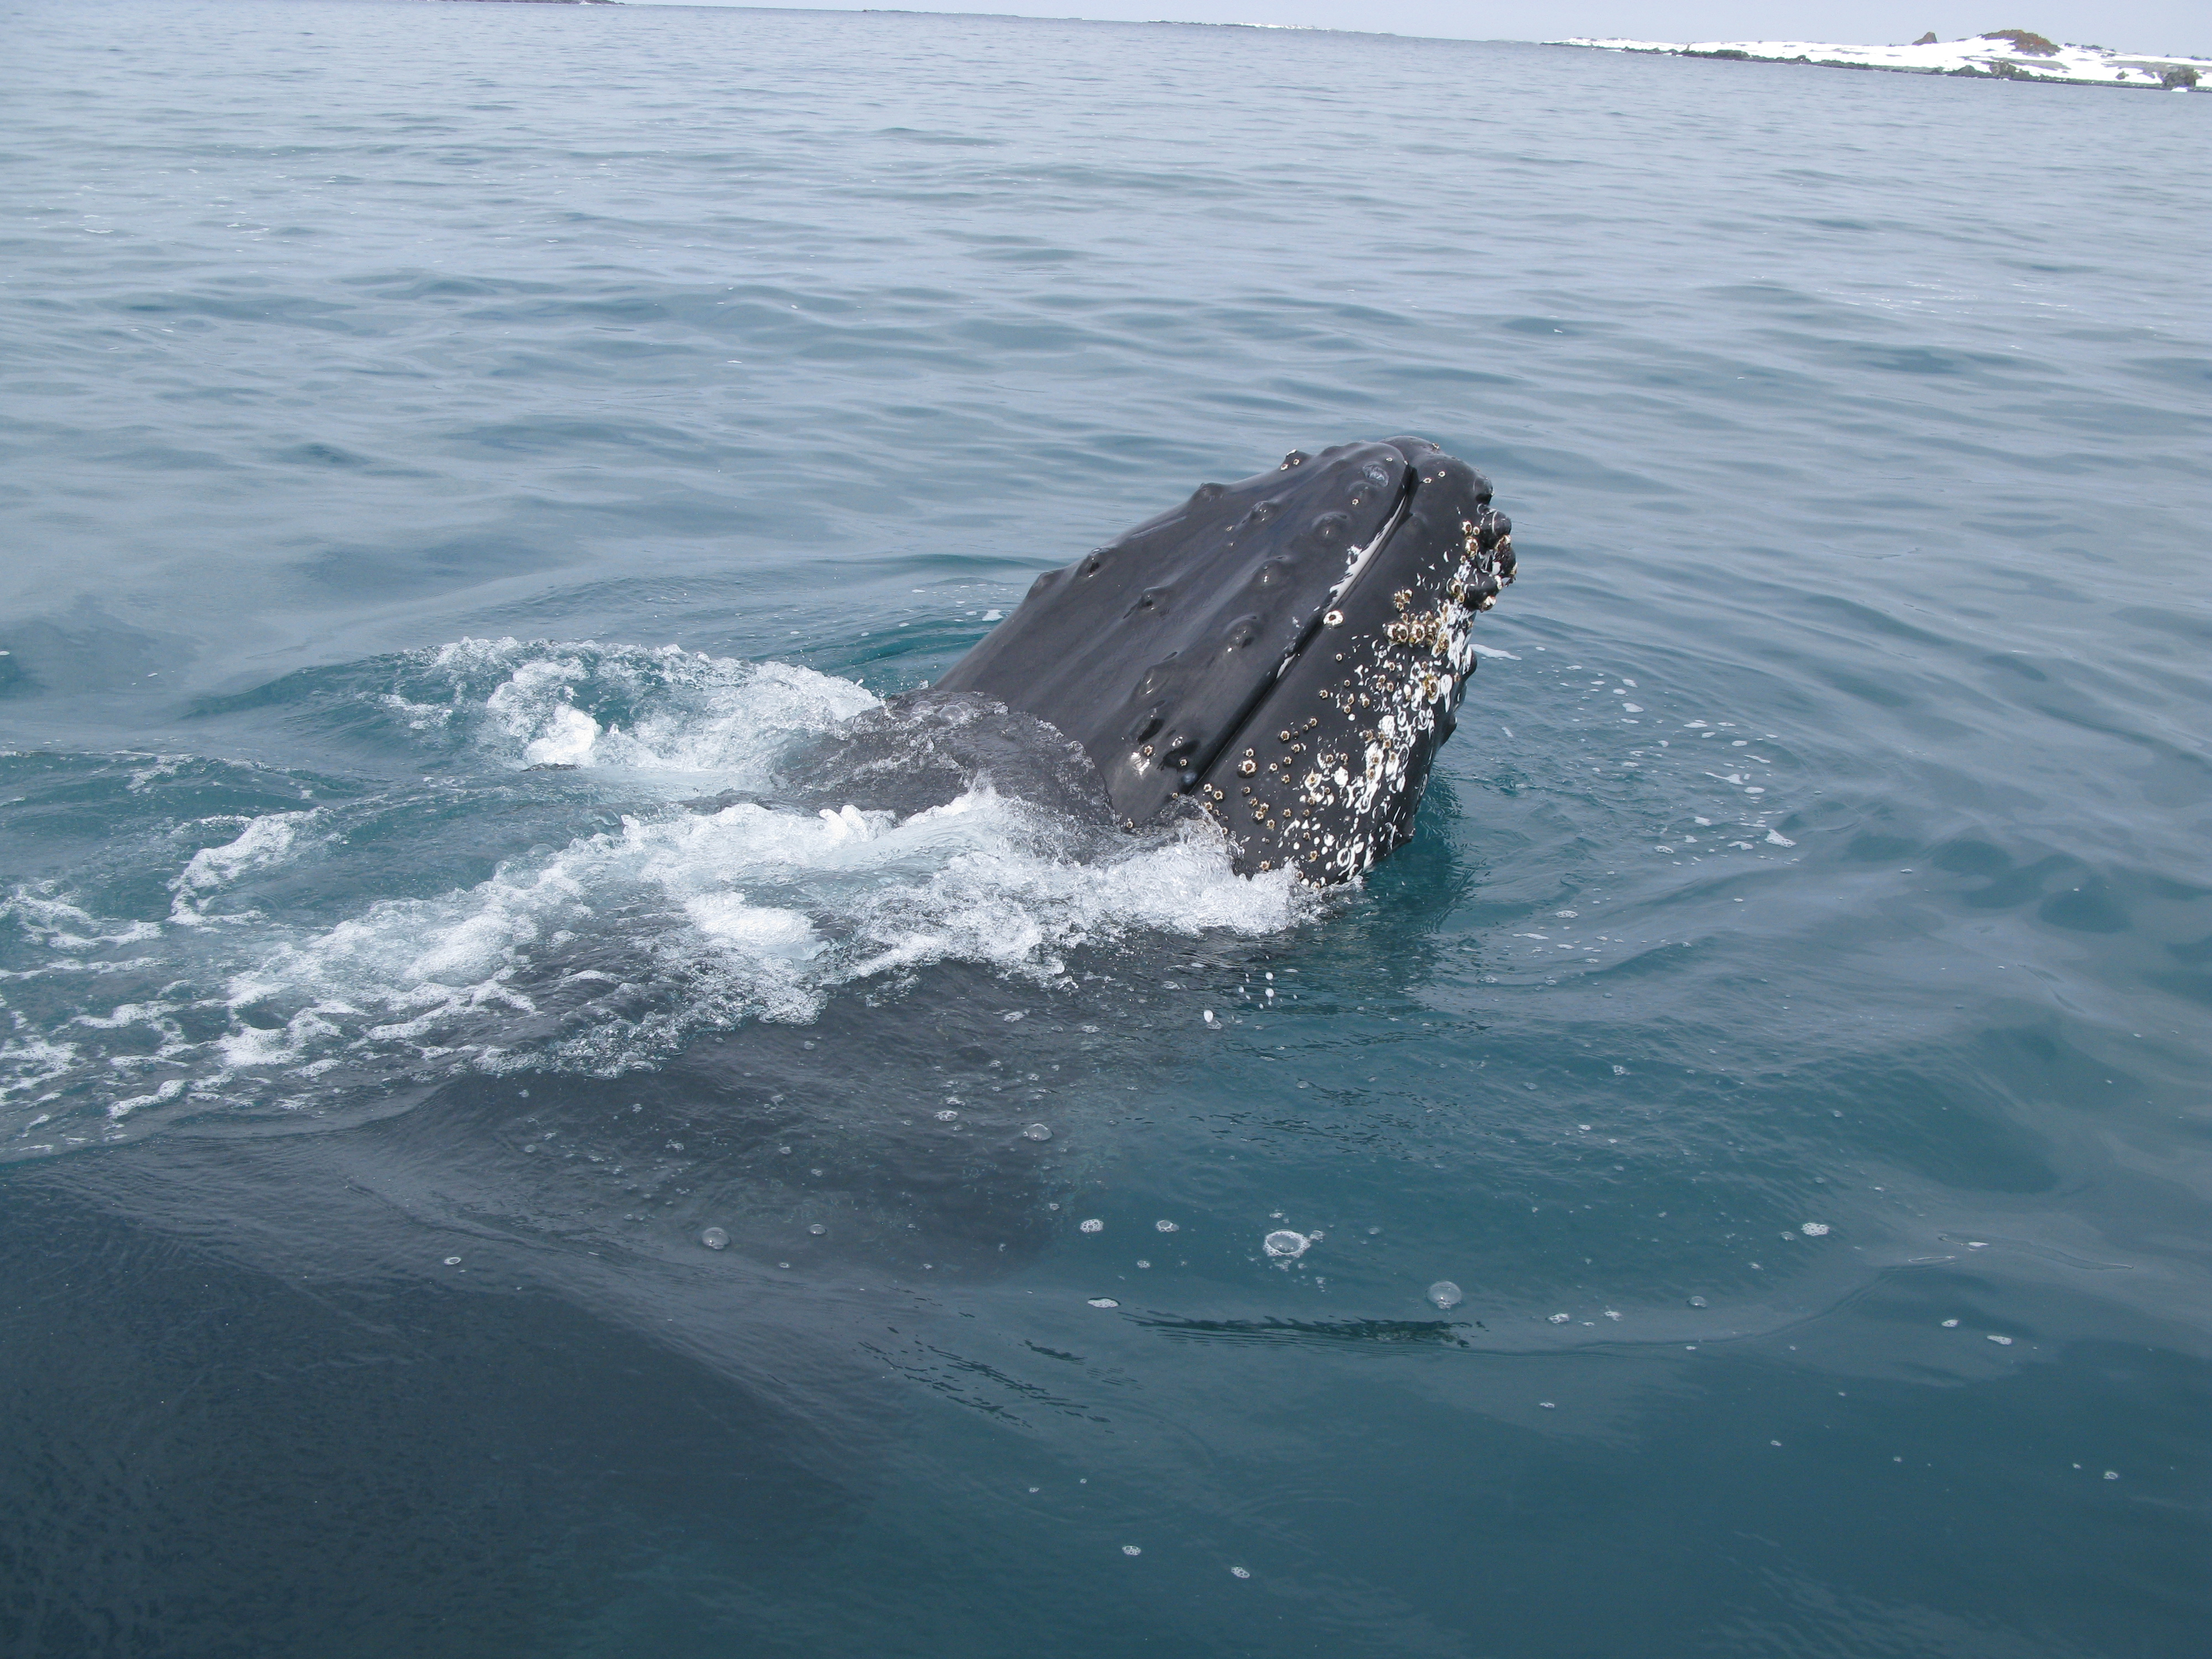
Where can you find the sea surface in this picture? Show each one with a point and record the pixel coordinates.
(541, 1116)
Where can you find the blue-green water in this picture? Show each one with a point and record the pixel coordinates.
(1787, 1031)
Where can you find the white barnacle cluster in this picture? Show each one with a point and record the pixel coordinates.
(1337, 800)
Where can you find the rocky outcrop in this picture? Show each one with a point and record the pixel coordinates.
(2024, 40)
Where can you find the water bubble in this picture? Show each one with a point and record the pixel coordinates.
(1036, 1132)
(1013, 1014)
(1165, 1226)
(1561, 1319)
(817, 1228)
(1814, 1230)
(1132, 1549)
(715, 1239)
(1093, 1225)
(2112, 1474)
(1240, 1572)
(1697, 1302)
(2001, 1341)
(947, 1115)
(1950, 1324)
(453, 1262)
(1103, 1302)
(1445, 1294)
(1285, 1244)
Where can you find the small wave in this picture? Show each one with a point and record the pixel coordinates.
(261, 843)
(588, 706)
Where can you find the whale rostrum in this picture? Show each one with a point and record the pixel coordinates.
(1285, 653)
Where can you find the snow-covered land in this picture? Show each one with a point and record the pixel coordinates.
(2011, 54)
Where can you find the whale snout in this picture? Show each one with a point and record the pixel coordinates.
(1285, 653)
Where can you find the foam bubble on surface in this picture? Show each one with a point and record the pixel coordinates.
(56, 925)
(582, 704)
(567, 738)
(261, 842)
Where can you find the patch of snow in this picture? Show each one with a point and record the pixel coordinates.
(1983, 55)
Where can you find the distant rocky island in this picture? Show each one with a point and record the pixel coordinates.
(2001, 54)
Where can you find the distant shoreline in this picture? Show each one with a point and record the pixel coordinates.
(2013, 54)
(1989, 57)
(2008, 55)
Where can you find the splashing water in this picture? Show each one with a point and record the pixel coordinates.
(846, 841)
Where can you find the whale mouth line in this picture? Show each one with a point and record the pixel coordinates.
(1358, 566)
(1364, 557)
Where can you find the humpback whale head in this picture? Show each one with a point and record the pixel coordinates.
(1285, 653)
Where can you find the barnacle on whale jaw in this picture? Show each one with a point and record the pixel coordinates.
(1382, 711)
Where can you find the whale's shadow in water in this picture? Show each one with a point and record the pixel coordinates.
(418, 1383)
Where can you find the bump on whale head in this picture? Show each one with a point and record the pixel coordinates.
(1285, 653)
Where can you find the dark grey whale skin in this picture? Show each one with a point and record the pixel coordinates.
(1237, 654)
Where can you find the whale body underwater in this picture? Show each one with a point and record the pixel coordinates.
(1285, 654)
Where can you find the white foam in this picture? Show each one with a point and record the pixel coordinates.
(602, 954)
(261, 842)
(586, 705)
(569, 737)
(28, 1064)
(57, 925)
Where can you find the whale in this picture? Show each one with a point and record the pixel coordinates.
(1285, 654)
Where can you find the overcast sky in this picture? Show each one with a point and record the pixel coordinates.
(2182, 27)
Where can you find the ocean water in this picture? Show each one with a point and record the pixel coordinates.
(543, 1117)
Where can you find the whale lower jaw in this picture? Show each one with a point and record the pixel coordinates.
(1325, 780)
